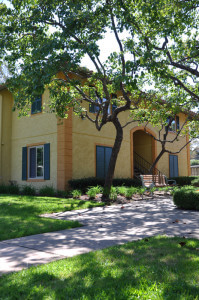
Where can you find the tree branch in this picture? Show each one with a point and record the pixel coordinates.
(118, 40)
(181, 66)
(177, 81)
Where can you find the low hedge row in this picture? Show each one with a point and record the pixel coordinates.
(31, 191)
(84, 183)
(186, 198)
(184, 180)
(195, 182)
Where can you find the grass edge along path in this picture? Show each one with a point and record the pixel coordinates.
(152, 268)
(20, 215)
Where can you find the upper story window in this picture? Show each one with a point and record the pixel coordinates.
(36, 106)
(175, 124)
(94, 108)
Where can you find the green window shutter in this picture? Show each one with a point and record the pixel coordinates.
(24, 163)
(47, 161)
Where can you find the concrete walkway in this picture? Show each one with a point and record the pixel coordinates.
(103, 227)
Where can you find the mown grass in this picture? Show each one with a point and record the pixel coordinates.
(154, 268)
(19, 215)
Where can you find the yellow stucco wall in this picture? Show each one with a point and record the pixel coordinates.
(86, 137)
(183, 163)
(5, 135)
(16, 133)
(34, 129)
(142, 143)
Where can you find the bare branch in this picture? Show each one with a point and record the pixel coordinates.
(130, 122)
(85, 97)
(118, 40)
(180, 83)
(163, 45)
(181, 66)
(171, 152)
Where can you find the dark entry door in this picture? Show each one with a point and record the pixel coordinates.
(173, 165)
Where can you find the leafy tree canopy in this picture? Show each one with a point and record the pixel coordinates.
(157, 59)
(160, 48)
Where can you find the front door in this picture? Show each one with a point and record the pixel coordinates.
(173, 165)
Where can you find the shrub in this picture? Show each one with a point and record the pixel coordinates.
(186, 198)
(84, 183)
(141, 190)
(195, 182)
(47, 191)
(122, 190)
(93, 191)
(62, 194)
(3, 189)
(28, 190)
(113, 193)
(183, 180)
(13, 189)
(131, 191)
(130, 182)
(76, 194)
(194, 162)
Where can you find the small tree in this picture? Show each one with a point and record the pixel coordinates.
(40, 38)
(165, 119)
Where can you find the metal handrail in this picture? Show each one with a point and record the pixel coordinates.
(144, 166)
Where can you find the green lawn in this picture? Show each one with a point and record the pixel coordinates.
(154, 268)
(19, 215)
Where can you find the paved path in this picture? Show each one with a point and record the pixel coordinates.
(103, 227)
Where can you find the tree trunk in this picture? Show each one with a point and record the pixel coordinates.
(113, 159)
(157, 159)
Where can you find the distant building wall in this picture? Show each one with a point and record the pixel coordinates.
(195, 170)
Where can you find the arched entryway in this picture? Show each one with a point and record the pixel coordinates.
(143, 146)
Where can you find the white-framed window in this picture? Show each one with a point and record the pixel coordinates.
(36, 162)
(94, 108)
(175, 124)
(36, 106)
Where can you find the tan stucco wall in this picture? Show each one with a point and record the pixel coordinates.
(143, 145)
(86, 137)
(34, 129)
(5, 135)
(76, 144)
(183, 163)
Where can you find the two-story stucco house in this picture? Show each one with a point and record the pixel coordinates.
(41, 150)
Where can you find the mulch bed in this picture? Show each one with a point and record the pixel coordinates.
(123, 200)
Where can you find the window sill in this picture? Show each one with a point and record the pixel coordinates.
(36, 114)
(35, 180)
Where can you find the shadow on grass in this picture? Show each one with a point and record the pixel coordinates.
(19, 216)
(155, 268)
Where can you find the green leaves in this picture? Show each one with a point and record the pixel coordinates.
(158, 52)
